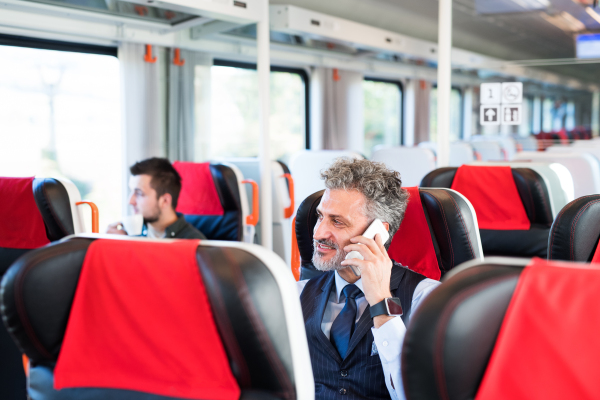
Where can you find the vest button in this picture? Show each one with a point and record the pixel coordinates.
(342, 391)
(344, 373)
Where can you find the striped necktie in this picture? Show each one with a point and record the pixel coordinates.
(343, 326)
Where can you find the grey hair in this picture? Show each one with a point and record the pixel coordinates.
(381, 186)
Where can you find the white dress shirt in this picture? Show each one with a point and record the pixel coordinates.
(388, 338)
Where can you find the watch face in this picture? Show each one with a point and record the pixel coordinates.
(393, 305)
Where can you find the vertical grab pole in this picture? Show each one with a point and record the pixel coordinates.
(264, 69)
(596, 113)
(444, 81)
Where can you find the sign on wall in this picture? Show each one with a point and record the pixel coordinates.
(501, 103)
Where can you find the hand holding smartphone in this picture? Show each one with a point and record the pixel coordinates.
(375, 228)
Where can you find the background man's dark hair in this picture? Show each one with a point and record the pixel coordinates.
(165, 179)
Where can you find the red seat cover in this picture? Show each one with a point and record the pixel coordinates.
(198, 195)
(141, 320)
(493, 193)
(412, 246)
(21, 224)
(548, 345)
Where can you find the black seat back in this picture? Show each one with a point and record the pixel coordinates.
(254, 306)
(52, 202)
(575, 232)
(534, 195)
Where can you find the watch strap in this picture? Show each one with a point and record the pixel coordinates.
(379, 309)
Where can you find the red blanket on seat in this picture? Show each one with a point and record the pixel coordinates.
(412, 245)
(548, 345)
(141, 320)
(21, 224)
(493, 193)
(198, 195)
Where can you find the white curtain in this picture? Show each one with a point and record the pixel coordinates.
(337, 110)
(143, 90)
(422, 92)
(189, 106)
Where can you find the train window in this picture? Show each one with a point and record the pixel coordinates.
(60, 117)
(526, 127)
(455, 115)
(547, 114)
(570, 120)
(234, 111)
(383, 113)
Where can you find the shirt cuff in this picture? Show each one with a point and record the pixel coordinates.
(389, 338)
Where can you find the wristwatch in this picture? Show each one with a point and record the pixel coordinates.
(388, 306)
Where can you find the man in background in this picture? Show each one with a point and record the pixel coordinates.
(155, 186)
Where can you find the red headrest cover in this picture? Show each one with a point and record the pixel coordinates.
(412, 245)
(494, 195)
(548, 344)
(21, 223)
(141, 321)
(198, 192)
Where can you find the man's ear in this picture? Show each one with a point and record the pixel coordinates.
(386, 226)
(165, 200)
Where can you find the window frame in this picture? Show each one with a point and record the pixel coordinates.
(217, 62)
(401, 89)
(461, 107)
(46, 44)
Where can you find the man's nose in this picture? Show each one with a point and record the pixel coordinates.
(132, 199)
(321, 231)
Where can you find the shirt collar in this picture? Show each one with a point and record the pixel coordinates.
(340, 284)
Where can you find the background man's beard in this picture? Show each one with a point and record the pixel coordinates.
(334, 264)
(153, 218)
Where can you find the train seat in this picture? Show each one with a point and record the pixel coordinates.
(34, 212)
(593, 150)
(507, 144)
(556, 176)
(412, 162)
(488, 151)
(282, 201)
(460, 152)
(474, 337)
(214, 200)
(575, 232)
(584, 168)
(306, 166)
(439, 224)
(527, 143)
(203, 319)
(512, 204)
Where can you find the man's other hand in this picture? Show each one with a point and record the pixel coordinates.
(376, 268)
(116, 229)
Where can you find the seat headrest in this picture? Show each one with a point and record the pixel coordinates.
(210, 199)
(22, 225)
(575, 232)
(478, 322)
(531, 188)
(45, 308)
(34, 212)
(452, 232)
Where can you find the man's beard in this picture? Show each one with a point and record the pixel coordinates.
(334, 264)
(153, 217)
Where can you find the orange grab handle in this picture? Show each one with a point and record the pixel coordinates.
(295, 253)
(252, 219)
(177, 58)
(95, 215)
(148, 56)
(477, 155)
(289, 211)
(26, 365)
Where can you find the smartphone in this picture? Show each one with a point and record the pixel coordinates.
(373, 229)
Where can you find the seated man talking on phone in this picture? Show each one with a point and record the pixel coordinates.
(155, 186)
(354, 343)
